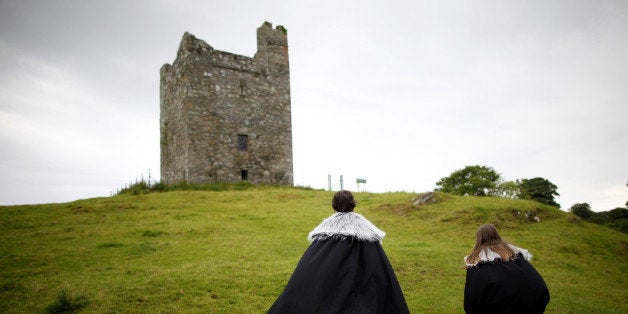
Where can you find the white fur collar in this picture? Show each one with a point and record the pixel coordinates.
(347, 225)
(488, 256)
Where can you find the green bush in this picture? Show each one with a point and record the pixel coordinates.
(136, 188)
(142, 187)
(66, 303)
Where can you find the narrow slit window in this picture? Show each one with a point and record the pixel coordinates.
(242, 87)
(244, 174)
(243, 142)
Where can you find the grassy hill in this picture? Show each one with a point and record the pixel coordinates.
(233, 251)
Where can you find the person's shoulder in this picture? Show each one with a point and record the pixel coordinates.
(345, 225)
(525, 254)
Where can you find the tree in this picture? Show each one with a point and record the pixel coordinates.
(616, 218)
(540, 190)
(618, 213)
(472, 180)
(619, 219)
(507, 189)
(582, 210)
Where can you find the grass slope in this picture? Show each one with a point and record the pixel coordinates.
(233, 251)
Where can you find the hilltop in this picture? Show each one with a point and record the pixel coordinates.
(233, 251)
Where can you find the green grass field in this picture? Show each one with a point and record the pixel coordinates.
(233, 251)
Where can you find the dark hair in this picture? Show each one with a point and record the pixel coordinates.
(488, 237)
(343, 201)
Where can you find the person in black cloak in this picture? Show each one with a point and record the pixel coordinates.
(500, 278)
(344, 270)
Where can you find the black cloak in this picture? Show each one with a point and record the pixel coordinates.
(514, 286)
(345, 270)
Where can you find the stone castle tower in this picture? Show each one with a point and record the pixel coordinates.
(226, 117)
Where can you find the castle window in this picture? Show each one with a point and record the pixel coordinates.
(244, 174)
(243, 142)
(242, 87)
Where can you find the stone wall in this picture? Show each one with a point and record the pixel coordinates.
(226, 117)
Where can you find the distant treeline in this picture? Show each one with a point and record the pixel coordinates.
(616, 218)
(480, 180)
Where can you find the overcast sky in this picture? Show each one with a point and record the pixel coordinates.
(401, 93)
